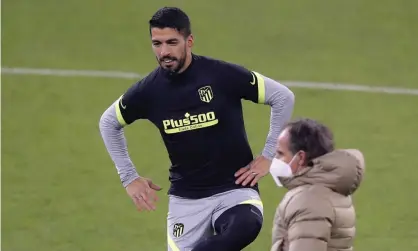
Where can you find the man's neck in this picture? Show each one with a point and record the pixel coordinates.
(189, 58)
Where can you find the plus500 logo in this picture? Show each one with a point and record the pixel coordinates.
(190, 122)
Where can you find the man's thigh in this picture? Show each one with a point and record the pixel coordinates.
(236, 197)
(188, 222)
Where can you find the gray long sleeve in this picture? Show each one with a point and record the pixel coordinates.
(281, 100)
(116, 145)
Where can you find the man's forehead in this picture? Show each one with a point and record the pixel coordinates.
(283, 139)
(284, 135)
(165, 33)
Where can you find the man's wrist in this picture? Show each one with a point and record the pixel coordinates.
(266, 154)
(129, 179)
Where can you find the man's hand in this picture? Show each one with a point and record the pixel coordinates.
(142, 193)
(257, 169)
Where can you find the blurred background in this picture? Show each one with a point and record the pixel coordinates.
(60, 190)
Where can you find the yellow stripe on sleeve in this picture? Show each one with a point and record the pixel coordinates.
(261, 88)
(118, 113)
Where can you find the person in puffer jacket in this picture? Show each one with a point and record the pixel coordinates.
(317, 212)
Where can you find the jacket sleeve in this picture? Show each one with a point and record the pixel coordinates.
(310, 219)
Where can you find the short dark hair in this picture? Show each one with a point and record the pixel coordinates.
(310, 136)
(171, 17)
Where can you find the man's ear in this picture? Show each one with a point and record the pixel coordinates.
(303, 158)
(190, 41)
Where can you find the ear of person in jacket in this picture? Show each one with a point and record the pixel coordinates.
(317, 212)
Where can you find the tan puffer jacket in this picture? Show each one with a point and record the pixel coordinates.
(317, 213)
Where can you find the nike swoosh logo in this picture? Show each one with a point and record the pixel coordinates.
(253, 82)
(120, 102)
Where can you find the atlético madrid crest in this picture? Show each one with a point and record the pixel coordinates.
(178, 229)
(205, 94)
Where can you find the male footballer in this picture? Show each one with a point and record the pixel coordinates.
(195, 102)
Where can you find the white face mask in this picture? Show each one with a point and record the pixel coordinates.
(279, 168)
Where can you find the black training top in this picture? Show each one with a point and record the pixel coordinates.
(200, 118)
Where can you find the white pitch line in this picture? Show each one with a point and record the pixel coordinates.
(351, 87)
(69, 73)
(131, 75)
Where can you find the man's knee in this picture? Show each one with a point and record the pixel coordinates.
(235, 229)
(240, 225)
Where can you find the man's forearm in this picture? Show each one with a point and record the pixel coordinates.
(115, 142)
(281, 100)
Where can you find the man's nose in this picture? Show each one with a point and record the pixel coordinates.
(165, 51)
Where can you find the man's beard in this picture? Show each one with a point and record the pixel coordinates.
(180, 62)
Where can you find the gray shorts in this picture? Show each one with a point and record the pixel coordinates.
(189, 220)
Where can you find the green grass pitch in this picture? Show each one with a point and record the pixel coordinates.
(60, 190)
